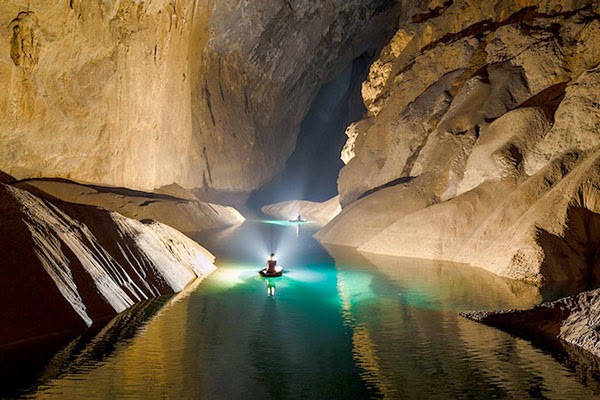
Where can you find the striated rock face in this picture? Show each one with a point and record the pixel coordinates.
(96, 91)
(66, 266)
(481, 143)
(321, 213)
(175, 207)
(208, 94)
(574, 320)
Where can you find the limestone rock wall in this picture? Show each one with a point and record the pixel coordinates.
(96, 91)
(66, 266)
(263, 65)
(481, 143)
(446, 76)
(205, 93)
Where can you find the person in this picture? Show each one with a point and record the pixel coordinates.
(299, 219)
(271, 263)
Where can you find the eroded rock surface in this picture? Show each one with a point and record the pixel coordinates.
(66, 266)
(96, 91)
(175, 206)
(207, 94)
(481, 143)
(573, 319)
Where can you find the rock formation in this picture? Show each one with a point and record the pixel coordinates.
(154, 96)
(574, 320)
(480, 145)
(96, 91)
(175, 207)
(207, 94)
(66, 266)
(321, 213)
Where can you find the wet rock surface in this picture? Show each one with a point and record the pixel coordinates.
(573, 320)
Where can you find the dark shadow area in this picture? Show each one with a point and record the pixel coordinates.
(24, 368)
(573, 260)
(6, 178)
(398, 181)
(311, 171)
(548, 99)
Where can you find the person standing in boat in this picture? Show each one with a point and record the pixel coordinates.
(271, 263)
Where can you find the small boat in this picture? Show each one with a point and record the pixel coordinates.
(278, 272)
(297, 220)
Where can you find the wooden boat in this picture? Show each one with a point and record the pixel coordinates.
(278, 272)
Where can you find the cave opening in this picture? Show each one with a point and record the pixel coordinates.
(312, 169)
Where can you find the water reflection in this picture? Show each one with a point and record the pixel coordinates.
(345, 327)
(410, 342)
(79, 354)
(441, 285)
(271, 287)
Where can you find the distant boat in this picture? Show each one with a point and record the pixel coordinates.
(278, 272)
(300, 219)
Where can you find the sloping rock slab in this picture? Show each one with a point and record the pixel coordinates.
(179, 209)
(65, 267)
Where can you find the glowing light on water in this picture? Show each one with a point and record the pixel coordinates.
(354, 287)
(230, 276)
(282, 223)
(287, 236)
(276, 222)
(270, 287)
(307, 275)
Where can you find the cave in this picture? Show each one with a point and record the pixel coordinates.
(311, 171)
(299, 199)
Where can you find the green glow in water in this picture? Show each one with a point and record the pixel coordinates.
(326, 329)
(284, 223)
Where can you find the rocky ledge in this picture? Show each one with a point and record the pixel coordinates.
(67, 266)
(574, 320)
(172, 205)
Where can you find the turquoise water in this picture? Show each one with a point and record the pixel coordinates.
(335, 326)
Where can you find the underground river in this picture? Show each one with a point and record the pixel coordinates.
(335, 326)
